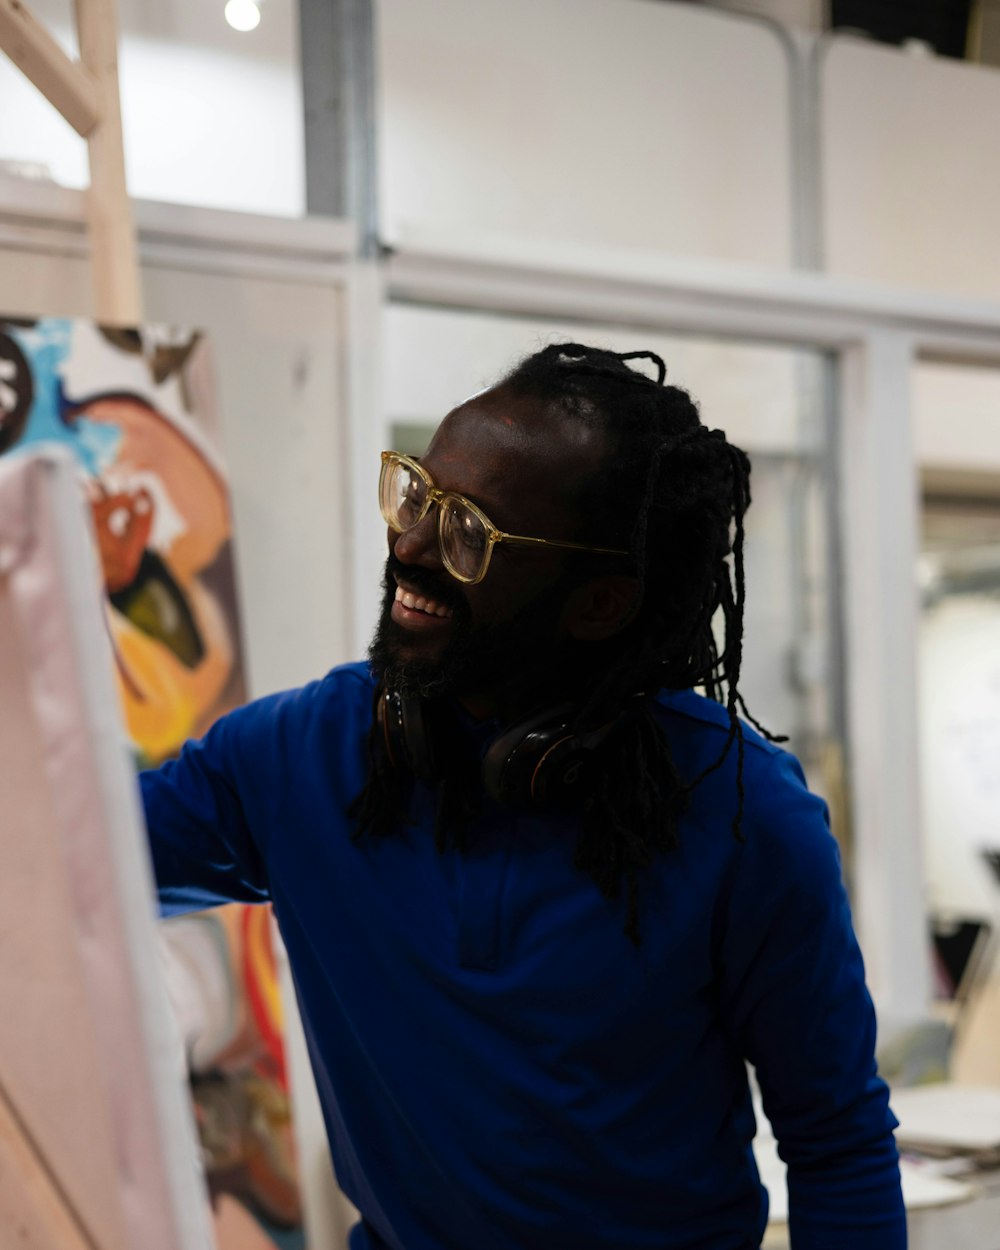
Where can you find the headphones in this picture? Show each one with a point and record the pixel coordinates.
(538, 761)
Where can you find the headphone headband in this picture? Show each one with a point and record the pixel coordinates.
(537, 761)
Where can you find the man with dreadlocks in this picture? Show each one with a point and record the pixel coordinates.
(542, 900)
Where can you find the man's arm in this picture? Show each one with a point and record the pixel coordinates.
(796, 1002)
(209, 812)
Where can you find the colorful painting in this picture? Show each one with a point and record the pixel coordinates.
(136, 409)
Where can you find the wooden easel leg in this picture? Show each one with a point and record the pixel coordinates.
(64, 84)
(34, 1212)
(114, 260)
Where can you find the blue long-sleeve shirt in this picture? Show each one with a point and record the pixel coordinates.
(498, 1066)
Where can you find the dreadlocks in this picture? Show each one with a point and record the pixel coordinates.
(673, 493)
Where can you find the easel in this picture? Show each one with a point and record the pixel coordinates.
(97, 1142)
(85, 93)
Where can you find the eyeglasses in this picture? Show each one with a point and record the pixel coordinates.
(466, 535)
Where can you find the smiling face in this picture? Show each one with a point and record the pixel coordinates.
(524, 465)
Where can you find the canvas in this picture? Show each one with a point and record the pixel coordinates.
(136, 410)
(97, 1150)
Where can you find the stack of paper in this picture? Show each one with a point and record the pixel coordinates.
(947, 1119)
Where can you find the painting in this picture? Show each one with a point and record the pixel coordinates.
(136, 408)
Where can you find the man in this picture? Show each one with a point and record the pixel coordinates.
(543, 901)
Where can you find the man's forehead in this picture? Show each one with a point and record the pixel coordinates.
(521, 461)
(500, 430)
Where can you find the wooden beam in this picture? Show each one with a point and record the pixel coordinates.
(87, 96)
(34, 1210)
(114, 260)
(62, 81)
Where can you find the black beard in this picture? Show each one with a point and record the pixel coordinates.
(519, 662)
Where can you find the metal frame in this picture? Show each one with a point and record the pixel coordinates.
(337, 42)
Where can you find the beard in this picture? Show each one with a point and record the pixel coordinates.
(520, 662)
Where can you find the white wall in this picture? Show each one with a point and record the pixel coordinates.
(213, 123)
(911, 169)
(956, 412)
(597, 121)
(662, 126)
(666, 126)
(436, 358)
(281, 358)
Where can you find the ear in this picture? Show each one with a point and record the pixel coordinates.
(601, 607)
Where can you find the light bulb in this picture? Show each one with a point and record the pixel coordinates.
(242, 15)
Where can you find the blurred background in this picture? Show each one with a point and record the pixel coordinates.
(373, 207)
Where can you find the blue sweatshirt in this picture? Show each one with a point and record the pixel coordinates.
(499, 1067)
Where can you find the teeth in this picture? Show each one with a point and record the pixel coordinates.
(417, 603)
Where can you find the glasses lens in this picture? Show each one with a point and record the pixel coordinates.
(463, 540)
(402, 494)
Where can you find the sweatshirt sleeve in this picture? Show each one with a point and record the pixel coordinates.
(796, 1002)
(209, 812)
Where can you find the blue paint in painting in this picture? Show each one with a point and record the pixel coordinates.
(47, 346)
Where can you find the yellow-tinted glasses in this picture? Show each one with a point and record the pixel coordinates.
(466, 535)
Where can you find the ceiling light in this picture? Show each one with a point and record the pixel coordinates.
(243, 15)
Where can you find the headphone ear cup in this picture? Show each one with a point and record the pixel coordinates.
(536, 762)
(409, 742)
(561, 778)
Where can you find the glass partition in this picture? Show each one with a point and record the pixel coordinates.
(959, 699)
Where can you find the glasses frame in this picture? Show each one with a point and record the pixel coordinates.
(494, 535)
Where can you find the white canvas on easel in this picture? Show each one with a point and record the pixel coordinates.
(97, 1144)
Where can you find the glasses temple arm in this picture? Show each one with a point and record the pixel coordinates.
(522, 541)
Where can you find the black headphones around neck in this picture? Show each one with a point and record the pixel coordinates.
(538, 761)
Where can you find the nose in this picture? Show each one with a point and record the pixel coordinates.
(418, 545)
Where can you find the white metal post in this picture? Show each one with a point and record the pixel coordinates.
(879, 513)
(365, 431)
